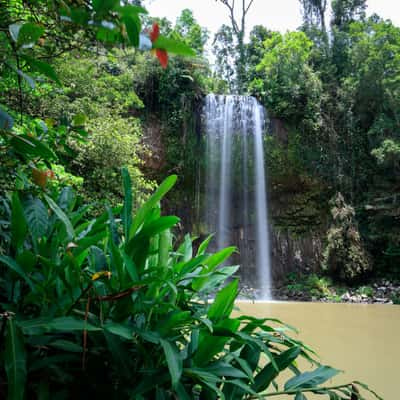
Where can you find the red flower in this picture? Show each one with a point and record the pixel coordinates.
(161, 54)
(155, 32)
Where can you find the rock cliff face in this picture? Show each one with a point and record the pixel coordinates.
(299, 223)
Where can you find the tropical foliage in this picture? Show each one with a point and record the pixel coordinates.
(116, 298)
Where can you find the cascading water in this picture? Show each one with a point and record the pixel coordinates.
(236, 201)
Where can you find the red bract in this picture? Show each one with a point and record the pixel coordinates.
(162, 56)
(155, 33)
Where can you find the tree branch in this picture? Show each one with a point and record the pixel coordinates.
(248, 7)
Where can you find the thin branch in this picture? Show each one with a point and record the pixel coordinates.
(248, 7)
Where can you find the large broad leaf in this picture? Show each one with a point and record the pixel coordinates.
(152, 202)
(173, 46)
(212, 263)
(37, 217)
(219, 276)
(29, 146)
(61, 215)
(264, 378)
(29, 34)
(19, 227)
(25, 35)
(133, 27)
(174, 361)
(38, 326)
(104, 6)
(212, 344)
(222, 306)
(127, 209)
(120, 330)
(221, 368)
(67, 199)
(43, 68)
(158, 226)
(15, 361)
(12, 264)
(173, 321)
(311, 379)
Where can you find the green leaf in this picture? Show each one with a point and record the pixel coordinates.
(19, 227)
(127, 208)
(6, 121)
(37, 217)
(66, 345)
(38, 326)
(133, 28)
(79, 120)
(212, 263)
(43, 68)
(204, 245)
(120, 330)
(182, 393)
(300, 396)
(11, 263)
(15, 361)
(31, 147)
(28, 34)
(173, 46)
(174, 361)
(221, 368)
(218, 258)
(61, 215)
(79, 15)
(164, 246)
(264, 378)
(159, 225)
(67, 199)
(104, 6)
(311, 379)
(219, 276)
(130, 266)
(152, 202)
(174, 320)
(129, 10)
(212, 344)
(222, 306)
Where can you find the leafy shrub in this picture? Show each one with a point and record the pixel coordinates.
(99, 95)
(117, 310)
(366, 291)
(344, 255)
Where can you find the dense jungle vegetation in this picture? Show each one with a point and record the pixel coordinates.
(335, 85)
(99, 294)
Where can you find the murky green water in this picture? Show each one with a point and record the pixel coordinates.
(363, 340)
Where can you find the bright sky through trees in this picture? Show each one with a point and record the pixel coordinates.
(281, 15)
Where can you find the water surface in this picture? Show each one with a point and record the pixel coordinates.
(361, 339)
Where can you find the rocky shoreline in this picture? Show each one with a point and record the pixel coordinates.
(380, 292)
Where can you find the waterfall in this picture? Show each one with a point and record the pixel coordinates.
(235, 184)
